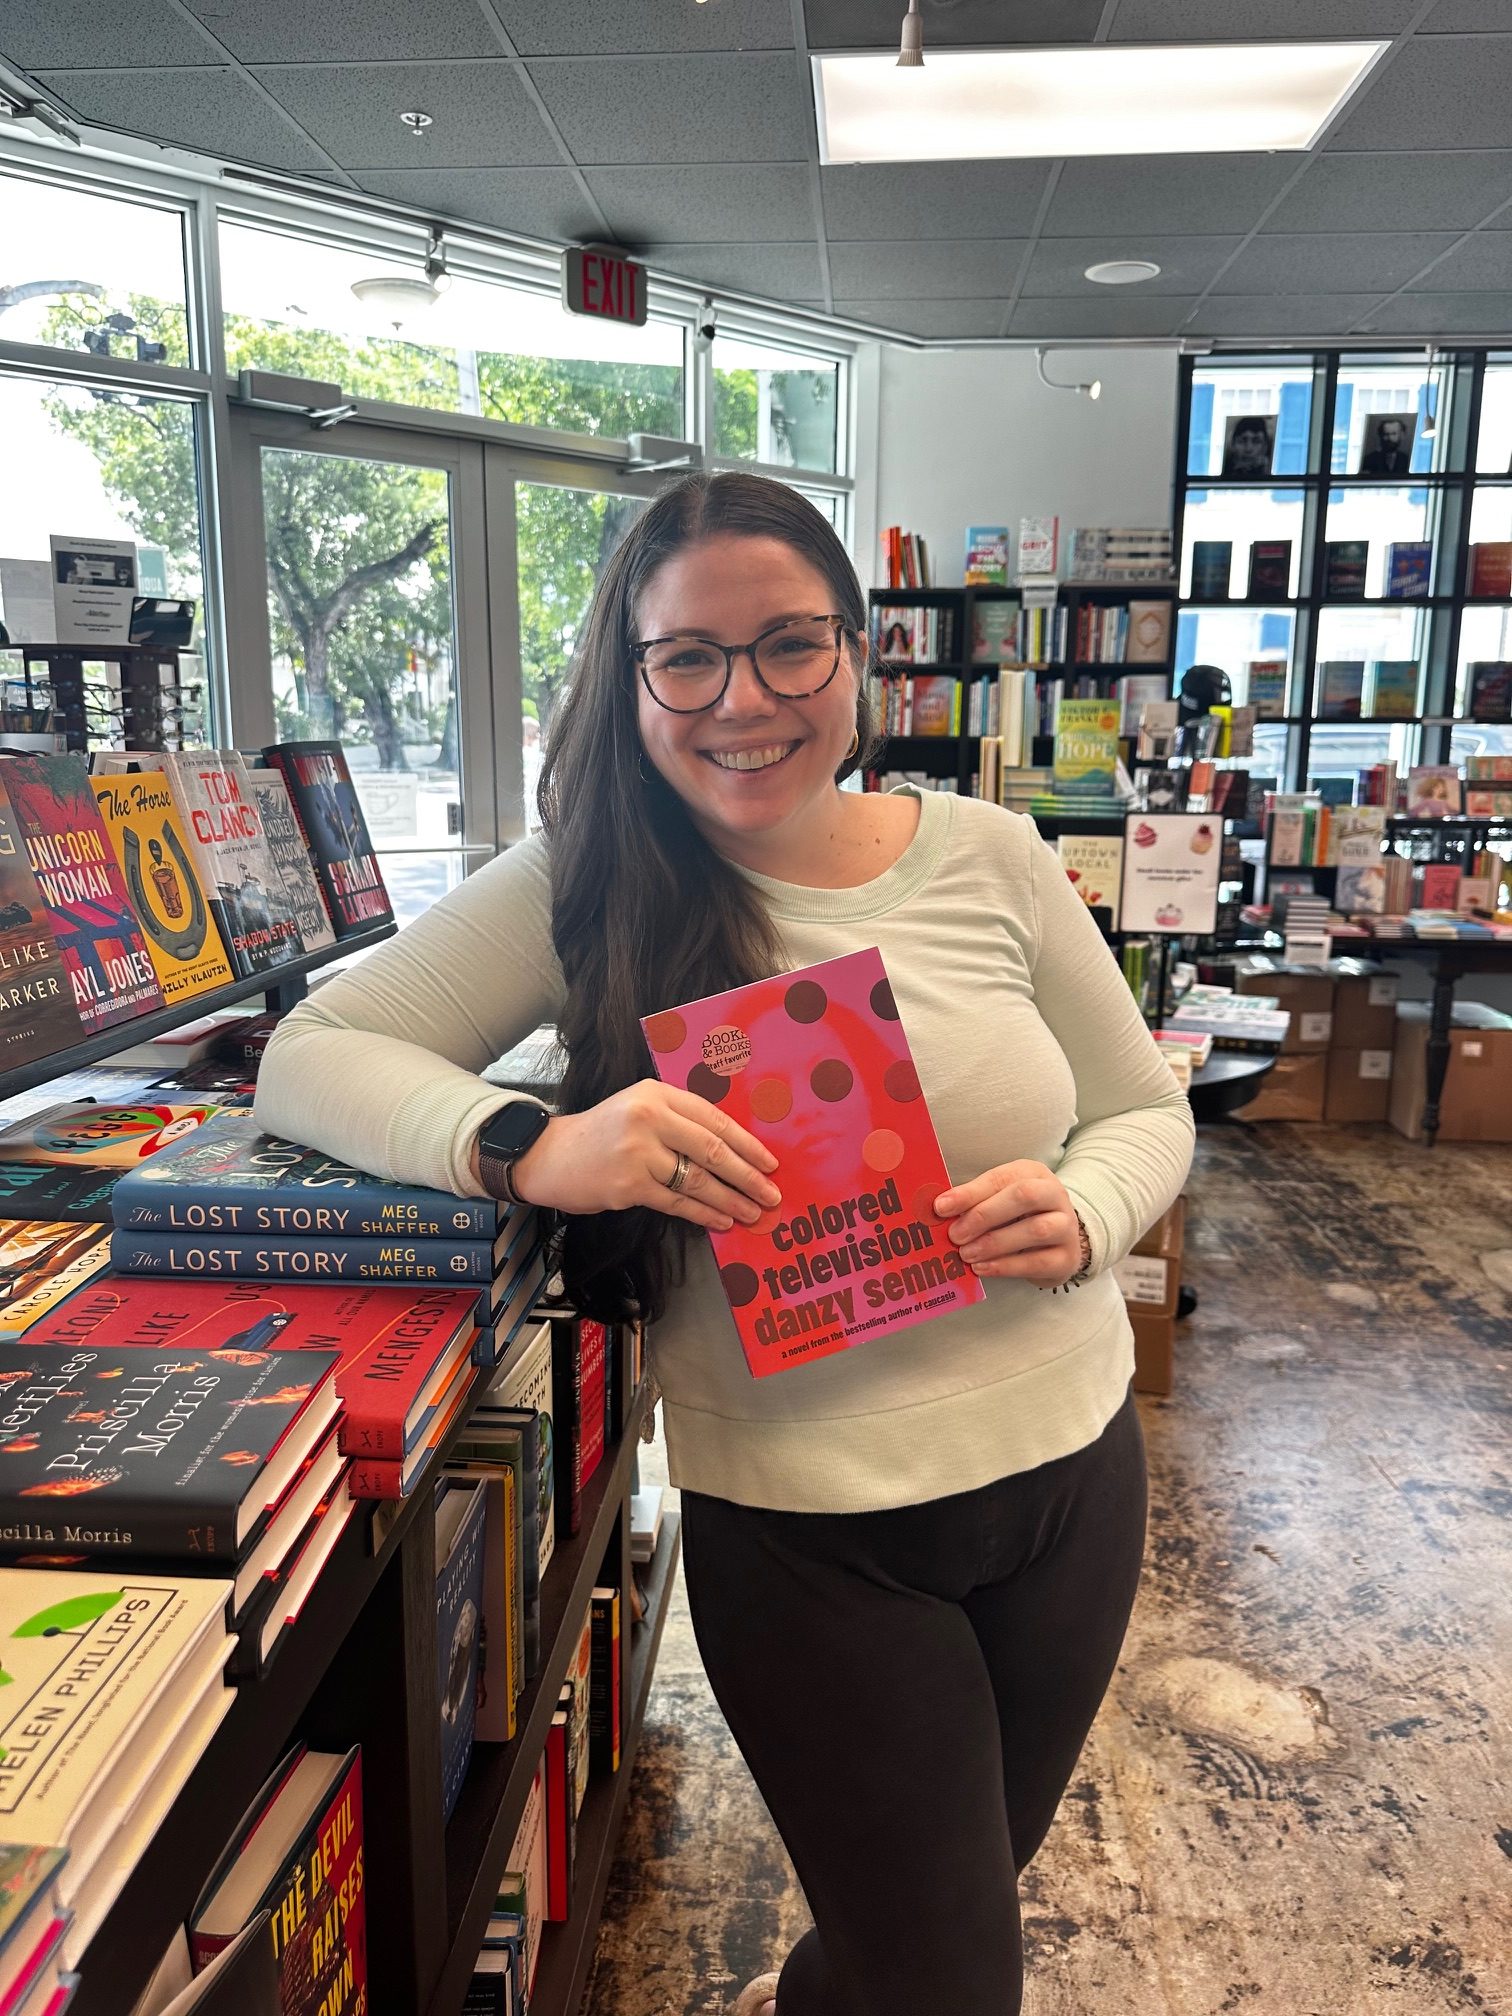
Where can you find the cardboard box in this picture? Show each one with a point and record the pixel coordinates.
(1476, 1103)
(1365, 1003)
(1166, 1235)
(1154, 1352)
(1359, 1085)
(1295, 1088)
(1305, 992)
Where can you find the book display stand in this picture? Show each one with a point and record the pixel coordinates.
(359, 1666)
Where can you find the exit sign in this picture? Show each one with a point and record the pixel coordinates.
(598, 280)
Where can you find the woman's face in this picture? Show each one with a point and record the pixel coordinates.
(732, 588)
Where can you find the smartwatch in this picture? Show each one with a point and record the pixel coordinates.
(503, 1139)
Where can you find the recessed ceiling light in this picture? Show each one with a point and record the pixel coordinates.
(1000, 104)
(1122, 272)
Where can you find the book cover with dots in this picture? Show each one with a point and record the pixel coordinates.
(816, 1064)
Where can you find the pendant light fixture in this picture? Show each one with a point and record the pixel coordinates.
(1091, 386)
(400, 296)
(911, 47)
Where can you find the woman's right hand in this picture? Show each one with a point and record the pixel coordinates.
(620, 1153)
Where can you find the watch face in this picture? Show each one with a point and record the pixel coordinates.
(512, 1129)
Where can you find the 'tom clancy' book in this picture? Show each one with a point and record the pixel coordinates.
(816, 1064)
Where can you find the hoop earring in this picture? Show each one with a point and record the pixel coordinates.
(640, 764)
(855, 744)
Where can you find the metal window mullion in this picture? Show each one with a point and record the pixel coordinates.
(74, 366)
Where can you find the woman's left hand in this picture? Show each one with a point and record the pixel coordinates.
(1015, 1221)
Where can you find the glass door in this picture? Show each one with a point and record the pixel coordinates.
(357, 592)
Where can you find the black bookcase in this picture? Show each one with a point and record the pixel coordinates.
(359, 1666)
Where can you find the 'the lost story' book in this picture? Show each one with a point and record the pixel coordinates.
(816, 1064)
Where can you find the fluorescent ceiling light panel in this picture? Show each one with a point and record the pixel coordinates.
(997, 104)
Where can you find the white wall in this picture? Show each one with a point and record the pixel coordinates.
(971, 437)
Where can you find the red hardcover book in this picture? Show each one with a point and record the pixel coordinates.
(578, 1351)
(298, 1855)
(399, 1348)
(330, 816)
(37, 1012)
(391, 1477)
(79, 880)
(816, 1064)
(559, 1816)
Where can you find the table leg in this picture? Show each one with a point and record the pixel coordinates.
(1439, 1047)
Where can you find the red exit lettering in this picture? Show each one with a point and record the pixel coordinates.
(599, 281)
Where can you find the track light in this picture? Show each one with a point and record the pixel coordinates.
(911, 47)
(1091, 386)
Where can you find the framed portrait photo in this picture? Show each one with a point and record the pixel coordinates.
(1249, 442)
(1386, 446)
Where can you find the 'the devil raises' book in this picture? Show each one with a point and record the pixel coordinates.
(816, 1064)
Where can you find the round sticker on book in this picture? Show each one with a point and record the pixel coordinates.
(726, 1050)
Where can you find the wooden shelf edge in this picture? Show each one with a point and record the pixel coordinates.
(482, 1829)
(142, 1028)
(567, 1954)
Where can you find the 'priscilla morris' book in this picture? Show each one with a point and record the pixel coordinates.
(152, 1453)
(77, 875)
(816, 1064)
(400, 1348)
(238, 1179)
(326, 802)
(147, 833)
(297, 1856)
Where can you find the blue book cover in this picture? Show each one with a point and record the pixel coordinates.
(238, 1179)
(256, 1257)
(1407, 565)
(460, 1518)
(1212, 561)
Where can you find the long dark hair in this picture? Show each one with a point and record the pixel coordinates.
(645, 913)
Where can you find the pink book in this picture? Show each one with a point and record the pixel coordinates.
(816, 1064)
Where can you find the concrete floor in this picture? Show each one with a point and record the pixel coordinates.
(1298, 1795)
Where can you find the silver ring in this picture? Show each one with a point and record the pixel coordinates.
(679, 1175)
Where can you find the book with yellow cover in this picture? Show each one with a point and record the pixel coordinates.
(147, 833)
(41, 1262)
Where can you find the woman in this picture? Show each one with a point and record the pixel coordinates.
(910, 1564)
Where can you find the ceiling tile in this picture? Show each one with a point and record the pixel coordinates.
(538, 202)
(701, 205)
(334, 31)
(1329, 262)
(1187, 265)
(787, 272)
(1258, 20)
(484, 118)
(928, 318)
(1465, 17)
(680, 108)
(1395, 192)
(944, 268)
(634, 28)
(1445, 86)
(1279, 314)
(215, 112)
(1178, 193)
(1488, 315)
(64, 34)
(1109, 315)
(1483, 262)
(864, 24)
(933, 199)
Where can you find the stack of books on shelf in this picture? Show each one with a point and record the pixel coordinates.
(913, 635)
(1296, 829)
(918, 704)
(1040, 633)
(905, 559)
(1121, 553)
(1246, 1023)
(1488, 787)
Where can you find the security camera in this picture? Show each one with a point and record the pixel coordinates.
(705, 326)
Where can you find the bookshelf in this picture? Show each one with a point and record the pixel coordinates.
(359, 1666)
(1455, 493)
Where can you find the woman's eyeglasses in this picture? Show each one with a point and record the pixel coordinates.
(793, 660)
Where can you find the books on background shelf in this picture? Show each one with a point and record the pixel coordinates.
(1094, 866)
(32, 1925)
(797, 1044)
(920, 703)
(1408, 567)
(522, 1889)
(1341, 689)
(117, 1684)
(461, 1508)
(1433, 791)
(1266, 688)
(1212, 567)
(42, 1261)
(1488, 787)
(1270, 569)
(1132, 633)
(296, 1856)
(1120, 554)
(1038, 546)
(1297, 829)
(514, 1422)
(1344, 565)
(1392, 689)
(1489, 689)
(1490, 569)
(146, 831)
(291, 858)
(986, 556)
(331, 819)
(1149, 638)
(1086, 747)
(913, 636)
(1042, 630)
(905, 559)
(1136, 694)
(994, 629)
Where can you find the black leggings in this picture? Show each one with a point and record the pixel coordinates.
(911, 1690)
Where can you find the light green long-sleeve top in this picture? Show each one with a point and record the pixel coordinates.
(1028, 1045)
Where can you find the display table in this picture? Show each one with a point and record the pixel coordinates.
(1228, 1080)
